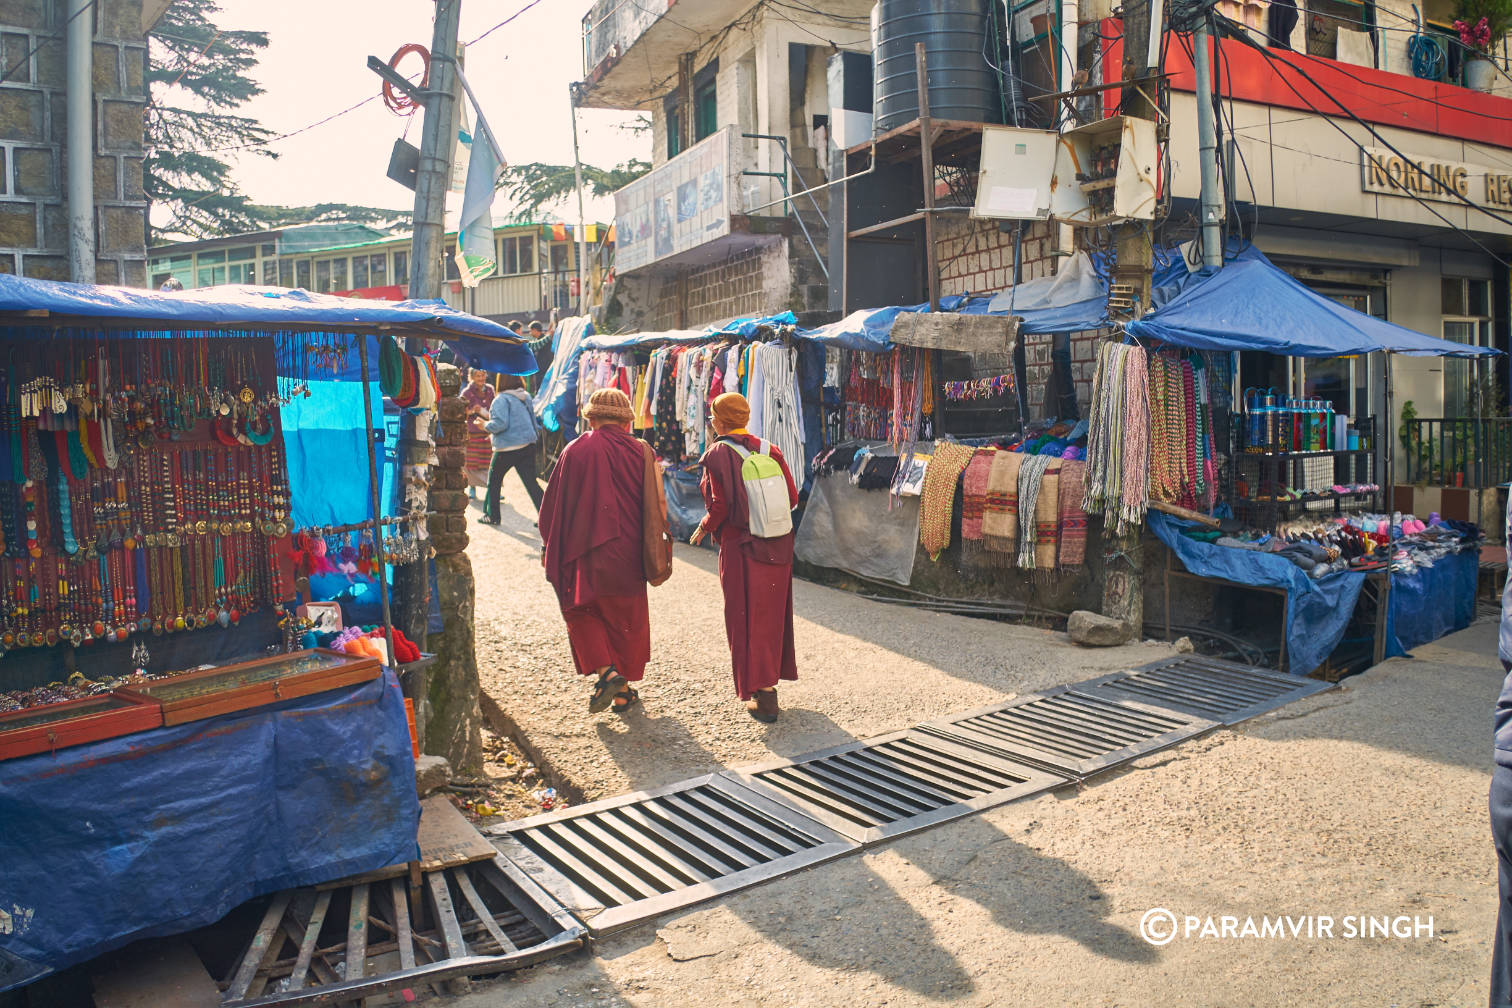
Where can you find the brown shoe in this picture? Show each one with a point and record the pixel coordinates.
(764, 708)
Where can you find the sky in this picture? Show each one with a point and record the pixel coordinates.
(315, 64)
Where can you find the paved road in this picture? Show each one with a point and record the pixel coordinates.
(1366, 800)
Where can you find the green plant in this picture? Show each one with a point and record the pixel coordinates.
(1482, 23)
(1409, 414)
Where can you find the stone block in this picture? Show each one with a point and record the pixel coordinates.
(107, 271)
(7, 263)
(107, 70)
(134, 62)
(446, 479)
(121, 126)
(26, 13)
(451, 408)
(448, 500)
(119, 19)
(105, 187)
(45, 267)
(18, 225)
(449, 543)
(35, 173)
(1091, 629)
(22, 115)
(132, 184)
(432, 773)
(17, 49)
(123, 229)
(54, 226)
(52, 65)
(450, 457)
(134, 273)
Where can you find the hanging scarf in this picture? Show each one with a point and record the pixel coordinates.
(1000, 509)
(1047, 516)
(936, 503)
(1104, 474)
(973, 504)
(1030, 475)
(1073, 520)
(1136, 442)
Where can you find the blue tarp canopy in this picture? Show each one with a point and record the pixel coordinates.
(236, 308)
(1251, 304)
(741, 327)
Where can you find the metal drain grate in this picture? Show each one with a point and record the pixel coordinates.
(895, 784)
(1071, 731)
(1223, 691)
(622, 860)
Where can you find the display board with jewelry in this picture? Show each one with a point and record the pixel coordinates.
(143, 488)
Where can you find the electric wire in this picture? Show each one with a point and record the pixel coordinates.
(49, 40)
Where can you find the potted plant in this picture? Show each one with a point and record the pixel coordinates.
(1481, 24)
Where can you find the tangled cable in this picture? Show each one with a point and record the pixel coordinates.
(397, 101)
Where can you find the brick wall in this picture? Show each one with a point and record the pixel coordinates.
(33, 128)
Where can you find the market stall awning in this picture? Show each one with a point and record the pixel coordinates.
(259, 309)
(744, 327)
(1251, 304)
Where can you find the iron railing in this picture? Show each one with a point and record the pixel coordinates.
(1471, 453)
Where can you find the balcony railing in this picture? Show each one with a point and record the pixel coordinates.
(1472, 453)
(516, 295)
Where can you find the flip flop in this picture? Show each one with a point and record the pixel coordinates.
(609, 685)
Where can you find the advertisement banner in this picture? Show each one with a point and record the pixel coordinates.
(679, 206)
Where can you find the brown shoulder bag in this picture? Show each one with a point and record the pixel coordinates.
(656, 550)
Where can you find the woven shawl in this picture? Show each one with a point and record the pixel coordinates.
(1047, 517)
(1073, 520)
(936, 503)
(974, 494)
(1000, 509)
(1031, 474)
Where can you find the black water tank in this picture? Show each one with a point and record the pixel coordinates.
(954, 33)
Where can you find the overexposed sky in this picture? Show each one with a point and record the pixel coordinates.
(315, 65)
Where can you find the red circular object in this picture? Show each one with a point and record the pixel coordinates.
(235, 615)
(398, 102)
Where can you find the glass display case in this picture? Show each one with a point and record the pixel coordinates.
(74, 722)
(243, 685)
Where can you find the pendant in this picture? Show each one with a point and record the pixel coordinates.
(222, 617)
(157, 628)
(121, 633)
(179, 623)
(97, 629)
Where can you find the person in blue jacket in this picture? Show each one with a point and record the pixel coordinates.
(512, 429)
(1501, 806)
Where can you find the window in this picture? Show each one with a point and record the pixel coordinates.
(705, 103)
(323, 276)
(516, 255)
(378, 270)
(674, 119)
(241, 254)
(286, 272)
(302, 274)
(210, 276)
(401, 268)
(1467, 310)
(359, 272)
(241, 273)
(339, 275)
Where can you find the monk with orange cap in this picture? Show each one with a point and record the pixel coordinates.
(591, 520)
(756, 573)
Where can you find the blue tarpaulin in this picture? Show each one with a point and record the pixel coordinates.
(1319, 610)
(742, 328)
(165, 831)
(1431, 602)
(555, 402)
(1250, 304)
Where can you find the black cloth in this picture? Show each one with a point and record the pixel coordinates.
(1501, 835)
(522, 461)
(1281, 20)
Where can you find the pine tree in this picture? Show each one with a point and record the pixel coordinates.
(535, 185)
(198, 77)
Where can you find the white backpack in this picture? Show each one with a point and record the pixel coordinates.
(766, 492)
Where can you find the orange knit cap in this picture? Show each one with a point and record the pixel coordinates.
(732, 410)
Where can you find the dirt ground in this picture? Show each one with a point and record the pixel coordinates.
(1367, 800)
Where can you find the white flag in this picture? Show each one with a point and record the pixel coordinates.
(476, 257)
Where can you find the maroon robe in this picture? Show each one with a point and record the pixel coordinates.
(591, 527)
(756, 574)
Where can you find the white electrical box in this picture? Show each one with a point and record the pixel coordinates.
(1106, 172)
(1014, 181)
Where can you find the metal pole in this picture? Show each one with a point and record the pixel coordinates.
(582, 235)
(431, 180)
(374, 490)
(1207, 152)
(926, 152)
(80, 138)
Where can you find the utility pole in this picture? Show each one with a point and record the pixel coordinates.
(432, 179)
(1207, 150)
(1123, 585)
(582, 228)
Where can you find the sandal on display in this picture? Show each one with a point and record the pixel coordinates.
(610, 684)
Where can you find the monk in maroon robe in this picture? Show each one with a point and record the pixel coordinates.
(591, 521)
(755, 573)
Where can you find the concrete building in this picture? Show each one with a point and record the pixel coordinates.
(739, 110)
(34, 141)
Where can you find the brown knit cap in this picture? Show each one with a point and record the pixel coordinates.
(609, 405)
(731, 410)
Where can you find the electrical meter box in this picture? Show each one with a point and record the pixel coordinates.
(1106, 172)
(1014, 181)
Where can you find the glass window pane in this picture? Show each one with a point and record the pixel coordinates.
(323, 276)
(359, 272)
(302, 274)
(527, 254)
(1454, 296)
(339, 275)
(401, 269)
(269, 251)
(378, 270)
(286, 272)
(1480, 297)
(241, 254)
(509, 265)
(705, 111)
(212, 257)
(1458, 372)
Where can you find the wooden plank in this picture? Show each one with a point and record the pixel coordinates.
(446, 916)
(259, 947)
(158, 974)
(447, 839)
(950, 331)
(485, 915)
(398, 895)
(357, 933)
(1187, 513)
(307, 946)
(887, 225)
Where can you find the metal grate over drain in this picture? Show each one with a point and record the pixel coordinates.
(1070, 731)
(1222, 691)
(622, 860)
(895, 784)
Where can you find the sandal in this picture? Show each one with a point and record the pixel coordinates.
(630, 697)
(609, 685)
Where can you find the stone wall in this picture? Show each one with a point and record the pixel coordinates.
(33, 129)
(756, 281)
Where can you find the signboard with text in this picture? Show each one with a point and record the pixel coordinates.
(1427, 178)
(679, 206)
